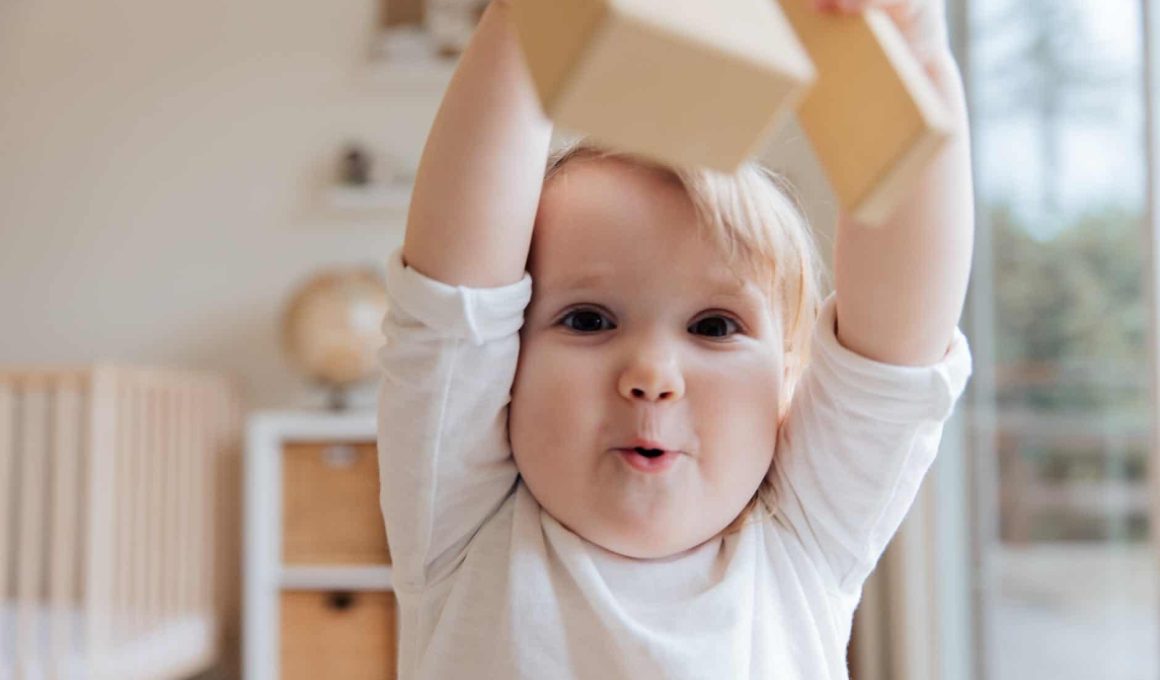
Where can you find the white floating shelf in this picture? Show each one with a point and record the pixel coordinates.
(396, 196)
(336, 578)
(393, 75)
(405, 60)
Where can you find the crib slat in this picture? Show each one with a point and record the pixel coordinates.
(138, 544)
(198, 486)
(163, 467)
(155, 461)
(102, 486)
(169, 519)
(7, 508)
(140, 516)
(67, 426)
(205, 472)
(127, 560)
(212, 456)
(151, 460)
(33, 444)
(185, 500)
(160, 502)
(214, 467)
(122, 508)
(229, 495)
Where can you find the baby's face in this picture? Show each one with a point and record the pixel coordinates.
(640, 337)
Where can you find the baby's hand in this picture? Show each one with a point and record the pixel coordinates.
(922, 23)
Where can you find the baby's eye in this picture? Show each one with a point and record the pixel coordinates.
(586, 321)
(715, 326)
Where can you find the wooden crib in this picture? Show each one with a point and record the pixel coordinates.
(113, 509)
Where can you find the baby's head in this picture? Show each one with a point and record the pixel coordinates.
(671, 310)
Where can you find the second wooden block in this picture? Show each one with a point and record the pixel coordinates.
(873, 117)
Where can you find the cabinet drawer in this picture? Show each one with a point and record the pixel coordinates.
(348, 635)
(330, 505)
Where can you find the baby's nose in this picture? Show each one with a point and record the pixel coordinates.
(652, 378)
(652, 395)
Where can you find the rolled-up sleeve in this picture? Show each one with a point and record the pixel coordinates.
(445, 463)
(855, 445)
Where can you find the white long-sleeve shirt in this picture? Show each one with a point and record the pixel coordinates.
(489, 585)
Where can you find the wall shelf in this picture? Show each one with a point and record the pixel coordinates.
(405, 61)
(395, 196)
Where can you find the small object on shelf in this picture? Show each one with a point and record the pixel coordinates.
(419, 43)
(398, 13)
(417, 31)
(451, 23)
(404, 37)
(364, 184)
(356, 166)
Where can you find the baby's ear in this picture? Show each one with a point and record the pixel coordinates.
(789, 364)
(788, 382)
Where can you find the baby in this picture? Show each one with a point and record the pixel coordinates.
(620, 433)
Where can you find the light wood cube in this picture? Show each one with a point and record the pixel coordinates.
(686, 82)
(873, 117)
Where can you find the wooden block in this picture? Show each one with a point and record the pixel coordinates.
(686, 82)
(873, 117)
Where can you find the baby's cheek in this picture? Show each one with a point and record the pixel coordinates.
(553, 390)
(547, 373)
(742, 406)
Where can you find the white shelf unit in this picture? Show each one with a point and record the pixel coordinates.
(336, 578)
(265, 576)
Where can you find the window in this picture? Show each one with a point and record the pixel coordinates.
(1060, 412)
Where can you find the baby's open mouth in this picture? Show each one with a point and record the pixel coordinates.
(649, 459)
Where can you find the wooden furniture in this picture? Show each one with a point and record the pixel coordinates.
(116, 512)
(319, 601)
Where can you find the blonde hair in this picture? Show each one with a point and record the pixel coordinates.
(754, 218)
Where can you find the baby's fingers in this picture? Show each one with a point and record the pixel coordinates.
(847, 6)
(893, 7)
(921, 22)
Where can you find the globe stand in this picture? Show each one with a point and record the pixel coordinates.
(337, 398)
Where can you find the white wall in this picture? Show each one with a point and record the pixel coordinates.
(160, 166)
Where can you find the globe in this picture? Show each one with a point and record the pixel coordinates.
(331, 328)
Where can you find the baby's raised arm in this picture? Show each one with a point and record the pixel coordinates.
(887, 363)
(478, 184)
(457, 299)
(901, 288)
